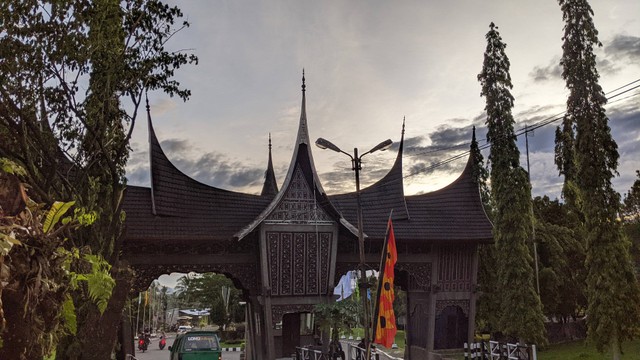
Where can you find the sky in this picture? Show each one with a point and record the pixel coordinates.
(369, 64)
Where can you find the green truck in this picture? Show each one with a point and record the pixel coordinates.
(196, 345)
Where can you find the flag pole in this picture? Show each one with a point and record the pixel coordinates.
(380, 276)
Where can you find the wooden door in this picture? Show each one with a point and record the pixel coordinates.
(290, 333)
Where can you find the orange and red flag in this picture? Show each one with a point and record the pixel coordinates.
(385, 331)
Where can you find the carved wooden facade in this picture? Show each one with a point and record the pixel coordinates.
(287, 249)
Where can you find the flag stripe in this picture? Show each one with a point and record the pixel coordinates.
(386, 320)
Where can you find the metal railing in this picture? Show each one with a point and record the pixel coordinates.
(303, 353)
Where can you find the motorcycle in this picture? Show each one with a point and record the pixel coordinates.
(142, 345)
(162, 343)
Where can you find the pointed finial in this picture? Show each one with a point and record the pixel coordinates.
(269, 141)
(146, 95)
(403, 119)
(303, 85)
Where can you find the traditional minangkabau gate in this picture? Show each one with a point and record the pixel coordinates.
(287, 249)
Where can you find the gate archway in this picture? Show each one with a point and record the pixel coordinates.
(287, 248)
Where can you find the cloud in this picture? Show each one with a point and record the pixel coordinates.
(211, 168)
(552, 71)
(624, 47)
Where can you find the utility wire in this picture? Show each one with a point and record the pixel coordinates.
(524, 130)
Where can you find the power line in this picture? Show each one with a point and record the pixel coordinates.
(520, 132)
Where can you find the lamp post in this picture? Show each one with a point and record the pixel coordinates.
(356, 165)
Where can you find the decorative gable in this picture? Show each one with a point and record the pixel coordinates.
(298, 205)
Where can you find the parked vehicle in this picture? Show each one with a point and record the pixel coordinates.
(196, 345)
(183, 329)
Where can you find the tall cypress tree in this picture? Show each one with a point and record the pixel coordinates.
(521, 317)
(488, 307)
(612, 290)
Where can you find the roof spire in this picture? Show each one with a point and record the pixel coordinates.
(270, 186)
(303, 85)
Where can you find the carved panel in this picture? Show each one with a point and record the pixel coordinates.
(325, 247)
(244, 276)
(273, 243)
(419, 275)
(200, 247)
(277, 311)
(312, 264)
(285, 264)
(454, 273)
(299, 205)
(299, 262)
(462, 304)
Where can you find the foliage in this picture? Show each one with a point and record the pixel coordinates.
(521, 316)
(72, 81)
(337, 317)
(38, 277)
(631, 218)
(561, 257)
(612, 290)
(205, 290)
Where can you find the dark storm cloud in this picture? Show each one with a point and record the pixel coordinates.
(211, 168)
(624, 47)
(549, 72)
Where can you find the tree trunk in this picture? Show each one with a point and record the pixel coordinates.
(16, 334)
(98, 333)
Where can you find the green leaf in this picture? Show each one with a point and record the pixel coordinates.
(58, 209)
(69, 315)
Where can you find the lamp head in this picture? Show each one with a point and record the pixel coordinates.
(382, 146)
(326, 144)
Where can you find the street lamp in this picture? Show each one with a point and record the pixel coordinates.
(356, 165)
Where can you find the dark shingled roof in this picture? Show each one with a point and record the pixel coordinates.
(178, 208)
(184, 208)
(454, 213)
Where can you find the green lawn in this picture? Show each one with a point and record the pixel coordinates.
(577, 350)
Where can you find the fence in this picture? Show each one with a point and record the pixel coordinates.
(353, 353)
(494, 350)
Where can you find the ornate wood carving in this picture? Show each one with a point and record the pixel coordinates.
(454, 273)
(217, 247)
(325, 246)
(244, 276)
(299, 262)
(285, 263)
(299, 205)
(277, 311)
(419, 275)
(462, 304)
(312, 264)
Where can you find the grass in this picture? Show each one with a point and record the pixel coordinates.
(578, 350)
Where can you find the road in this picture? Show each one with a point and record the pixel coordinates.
(154, 352)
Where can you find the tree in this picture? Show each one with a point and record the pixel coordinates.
(612, 289)
(488, 304)
(72, 80)
(37, 275)
(631, 217)
(337, 317)
(521, 316)
(561, 259)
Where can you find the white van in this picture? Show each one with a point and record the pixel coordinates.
(183, 329)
